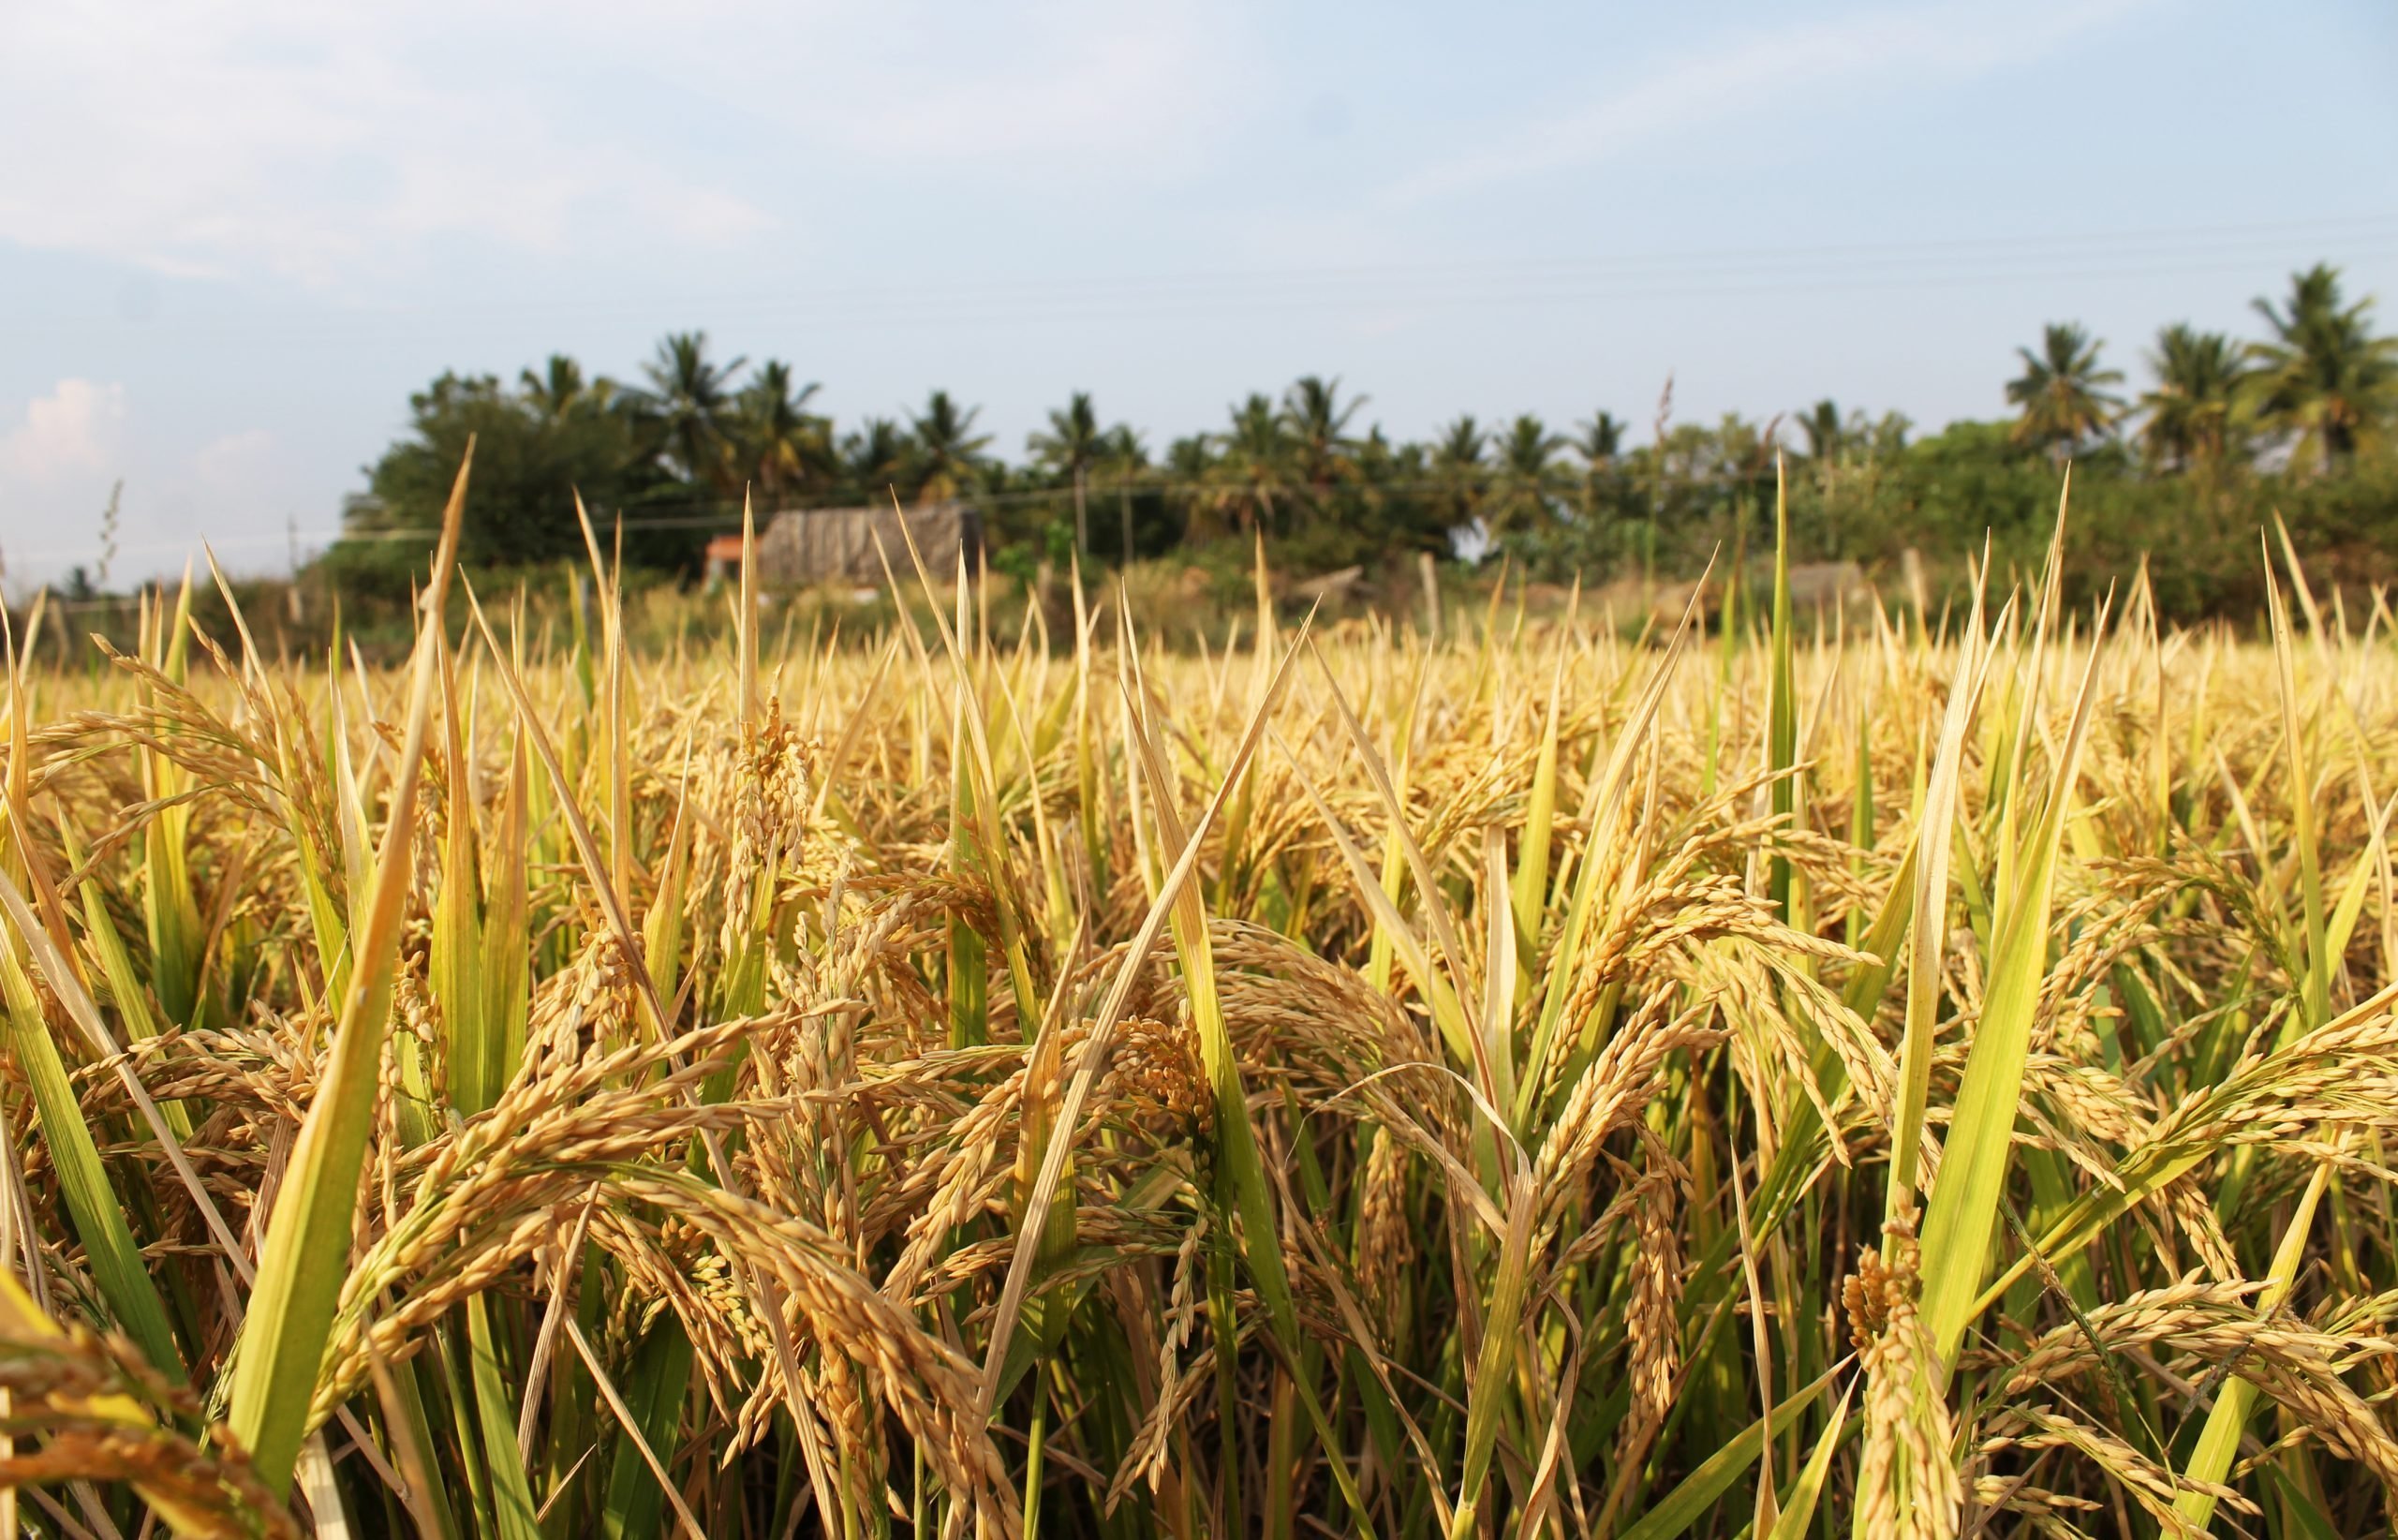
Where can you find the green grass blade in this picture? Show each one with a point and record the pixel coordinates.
(1782, 725)
(1973, 1169)
(512, 1494)
(1697, 1496)
(2219, 1439)
(291, 1310)
(2314, 986)
(1928, 928)
(1530, 892)
(1798, 1504)
(109, 1247)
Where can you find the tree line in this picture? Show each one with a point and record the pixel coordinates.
(2296, 419)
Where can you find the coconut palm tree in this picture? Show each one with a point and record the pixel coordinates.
(1123, 455)
(874, 458)
(2324, 376)
(1825, 430)
(784, 445)
(561, 390)
(1122, 450)
(1524, 490)
(1254, 460)
(1317, 420)
(1459, 476)
(1069, 448)
(1742, 451)
(1192, 472)
(1461, 443)
(949, 457)
(688, 406)
(2063, 391)
(1886, 436)
(2187, 419)
(1599, 440)
(1386, 479)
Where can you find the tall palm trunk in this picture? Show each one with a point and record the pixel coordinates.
(1082, 521)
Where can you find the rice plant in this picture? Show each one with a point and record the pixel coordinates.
(1884, 1073)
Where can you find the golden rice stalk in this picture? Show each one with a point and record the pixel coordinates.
(291, 1309)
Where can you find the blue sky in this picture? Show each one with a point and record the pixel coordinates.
(234, 236)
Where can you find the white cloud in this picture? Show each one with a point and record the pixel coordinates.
(60, 454)
(329, 141)
(1806, 63)
(202, 138)
(57, 460)
(68, 431)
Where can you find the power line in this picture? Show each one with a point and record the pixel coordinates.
(1947, 263)
(727, 512)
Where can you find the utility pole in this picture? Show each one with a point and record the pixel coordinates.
(292, 590)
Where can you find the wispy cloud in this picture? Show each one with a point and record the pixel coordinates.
(324, 142)
(296, 139)
(1750, 74)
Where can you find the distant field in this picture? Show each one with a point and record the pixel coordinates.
(1912, 1075)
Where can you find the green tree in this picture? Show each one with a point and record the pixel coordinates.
(1827, 434)
(948, 459)
(1461, 477)
(784, 445)
(1885, 438)
(560, 390)
(535, 447)
(1524, 492)
(1194, 483)
(874, 458)
(1123, 450)
(1316, 424)
(1124, 458)
(1396, 509)
(2061, 394)
(1252, 462)
(688, 407)
(1598, 441)
(2324, 378)
(1190, 458)
(1070, 448)
(1741, 453)
(2187, 419)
